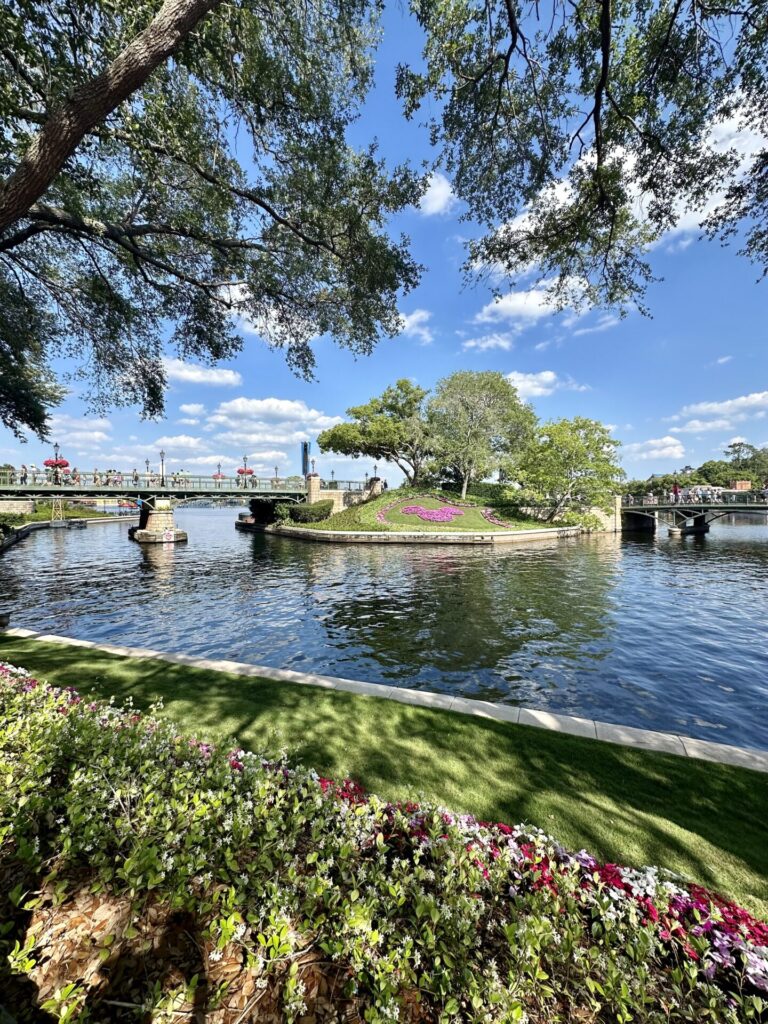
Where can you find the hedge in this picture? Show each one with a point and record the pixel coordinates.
(311, 513)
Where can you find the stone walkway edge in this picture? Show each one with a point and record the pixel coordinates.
(661, 742)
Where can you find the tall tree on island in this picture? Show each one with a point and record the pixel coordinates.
(572, 463)
(478, 423)
(392, 426)
(186, 162)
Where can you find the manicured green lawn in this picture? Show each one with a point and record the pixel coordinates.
(42, 514)
(363, 517)
(706, 821)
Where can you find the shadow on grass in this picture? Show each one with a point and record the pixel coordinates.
(706, 821)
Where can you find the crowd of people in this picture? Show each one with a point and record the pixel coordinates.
(704, 494)
(34, 476)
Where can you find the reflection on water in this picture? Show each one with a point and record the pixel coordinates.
(657, 632)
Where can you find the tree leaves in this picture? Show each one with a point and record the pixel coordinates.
(223, 188)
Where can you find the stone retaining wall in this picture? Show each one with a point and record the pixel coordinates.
(17, 506)
(361, 537)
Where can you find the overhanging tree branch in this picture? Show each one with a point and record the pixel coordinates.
(88, 105)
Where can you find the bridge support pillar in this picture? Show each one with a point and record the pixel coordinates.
(695, 526)
(631, 521)
(313, 488)
(156, 524)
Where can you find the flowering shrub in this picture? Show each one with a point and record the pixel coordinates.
(427, 915)
(444, 514)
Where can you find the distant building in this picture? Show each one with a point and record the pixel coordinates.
(741, 485)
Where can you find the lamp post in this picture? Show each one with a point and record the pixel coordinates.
(333, 474)
(162, 468)
(146, 464)
(218, 474)
(313, 466)
(375, 471)
(56, 452)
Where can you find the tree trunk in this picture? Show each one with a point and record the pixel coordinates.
(90, 104)
(464, 485)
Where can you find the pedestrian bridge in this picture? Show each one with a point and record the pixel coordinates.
(156, 494)
(688, 517)
(147, 486)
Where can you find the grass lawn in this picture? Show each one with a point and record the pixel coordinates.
(706, 821)
(363, 517)
(42, 514)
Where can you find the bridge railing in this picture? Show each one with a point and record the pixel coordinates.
(342, 485)
(705, 498)
(112, 480)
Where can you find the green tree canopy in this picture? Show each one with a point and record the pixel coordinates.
(176, 163)
(478, 424)
(392, 427)
(573, 462)
(579, 132)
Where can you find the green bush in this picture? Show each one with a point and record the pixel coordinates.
(311, 513)
(282, 512)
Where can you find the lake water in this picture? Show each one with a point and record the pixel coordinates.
(655, 632)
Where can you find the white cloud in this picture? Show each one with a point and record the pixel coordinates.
(271, 410)
(62, 421)
(414, 325)
(657, 448)
(193, 373)
(680, 245)
(252, 423)
(189, 421)
(522, 308)
(723, 359)
(192, 408)
(748, 404)
(604, 323)
(538, 385)
(489, 341)
(696, 426)
(439, 197)
(249, 438)
(725, 135)
(80, 431)
(204, 460)
(181, 441)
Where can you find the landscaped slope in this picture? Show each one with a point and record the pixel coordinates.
(138, 860)
(408, 510)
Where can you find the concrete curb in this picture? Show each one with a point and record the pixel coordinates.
(627, 736)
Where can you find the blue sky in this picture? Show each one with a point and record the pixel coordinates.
(675, 388)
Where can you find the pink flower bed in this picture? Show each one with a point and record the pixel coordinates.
(446, 514)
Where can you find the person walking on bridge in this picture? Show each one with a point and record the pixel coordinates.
(23, 475)
(675, 492)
